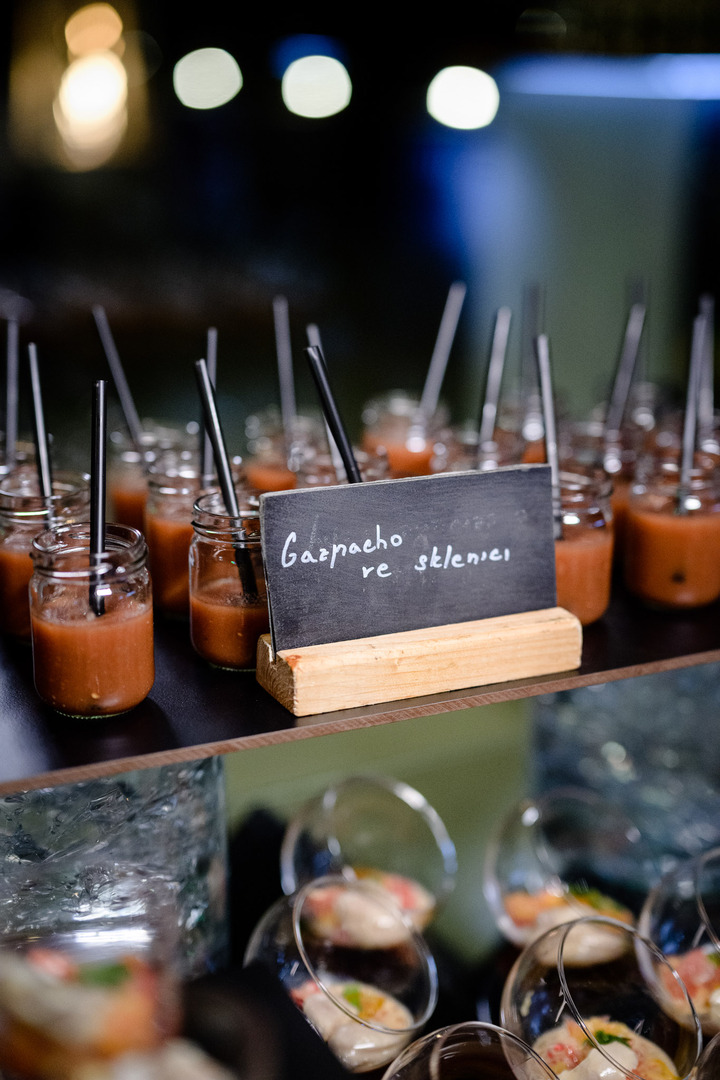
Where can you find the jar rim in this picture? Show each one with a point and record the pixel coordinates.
(210, 518)
(27, 502)
(125, 551)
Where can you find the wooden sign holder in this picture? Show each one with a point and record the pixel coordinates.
(346, 674)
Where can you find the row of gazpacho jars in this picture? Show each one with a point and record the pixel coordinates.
(671, 547)
(91, 626)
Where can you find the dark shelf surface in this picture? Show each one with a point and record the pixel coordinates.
(195, 711)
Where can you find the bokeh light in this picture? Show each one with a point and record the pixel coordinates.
(207, 78)
(91, 107)
(93, 28)
(316, 87)
(463, 97)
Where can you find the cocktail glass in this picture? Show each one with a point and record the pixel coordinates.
(353, 964)
(628, 1008)
(465, 1050)
(560, 856)
(682, 917)
(376, 828)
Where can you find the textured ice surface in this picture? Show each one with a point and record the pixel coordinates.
(108, 848)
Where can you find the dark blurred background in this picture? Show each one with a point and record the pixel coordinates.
(595, 183)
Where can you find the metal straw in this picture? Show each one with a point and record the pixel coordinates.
(706, 396)
(97, 494)
(498, 352)
(41, 442)
(624, 374)
(697, 357)
(222, 465)
(11, 394)
(542, 355)
(207, 471)
(332, 415)
(441, 352)
(285, 366)
(121, 384)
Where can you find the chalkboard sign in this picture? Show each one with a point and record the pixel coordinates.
(363, 559)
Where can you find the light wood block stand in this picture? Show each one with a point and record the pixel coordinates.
(346, 674)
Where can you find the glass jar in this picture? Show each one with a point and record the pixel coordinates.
(173, 485)
(460, 450)
(92, 627)
(128, 466)
(228, 598)
(583, 556)
(394, 423)
(273, 454)
(318, 470)
(23, 514)
(672, 544)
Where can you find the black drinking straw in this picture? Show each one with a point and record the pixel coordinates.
(41, 443)
(623, 376)
(494, 376)
(332, 415)
(97, 493)
(222, 465)
(11, 394)
(542, 355)
(207, 471)
(441, 352)
(314, 342)
(697, 358)
(118, 373)
(283, 348)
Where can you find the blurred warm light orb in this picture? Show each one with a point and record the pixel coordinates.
(93, 28)
(207, 78)
(91, 98)
(316, 87)
(463, 97)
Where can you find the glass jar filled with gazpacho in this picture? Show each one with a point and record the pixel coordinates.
(672, 548)
(583, 555)
(24, 513)
(174, 483)
(228, 599)
(92, 624)
(129, 464)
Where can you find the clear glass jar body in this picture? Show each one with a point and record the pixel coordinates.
(92, 628)
(584, 555)
(228, 598)
(672, 544)
(23, 514)
(128, 467)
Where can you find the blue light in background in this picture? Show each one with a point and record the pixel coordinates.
(300, 45)
(689, 77)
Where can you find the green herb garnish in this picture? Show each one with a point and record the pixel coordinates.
(594, 898)
(103, 975)
(352, 996)
(604, 1038)
(714, 958)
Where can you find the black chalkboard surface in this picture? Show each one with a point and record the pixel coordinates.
(364, 559)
